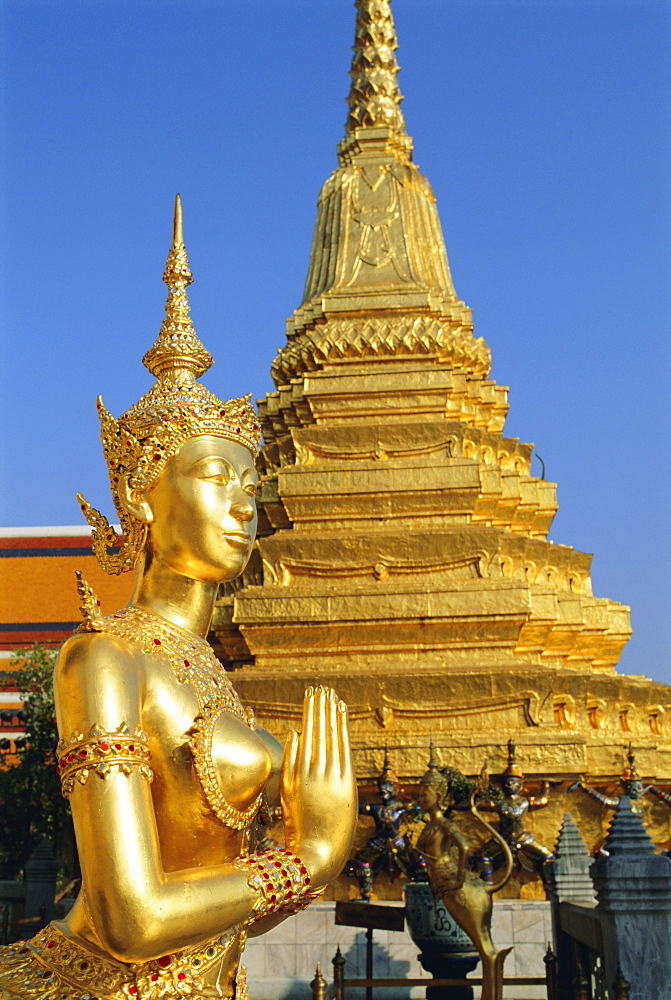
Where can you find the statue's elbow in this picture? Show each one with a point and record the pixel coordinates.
(132, 934)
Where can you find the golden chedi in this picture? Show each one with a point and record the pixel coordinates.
(403, 553)
(168, 775)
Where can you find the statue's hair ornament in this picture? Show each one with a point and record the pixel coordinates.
(177, 408)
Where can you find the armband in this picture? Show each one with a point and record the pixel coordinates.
(281, 880)
(99, 752)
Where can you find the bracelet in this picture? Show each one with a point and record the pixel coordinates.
(100, 751)
(281, 880)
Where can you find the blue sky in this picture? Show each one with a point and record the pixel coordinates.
(544, 127)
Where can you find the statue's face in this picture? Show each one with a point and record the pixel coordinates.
(430, 795)
(633, 788)
(427, 797)
(203, 511)
(387, 790)
(512, 785)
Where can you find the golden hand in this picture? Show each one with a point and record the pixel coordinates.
(318, 787)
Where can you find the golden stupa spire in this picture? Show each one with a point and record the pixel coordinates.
(374, 98)
(177, 353)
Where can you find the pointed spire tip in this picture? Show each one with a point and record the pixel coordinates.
(177, 223)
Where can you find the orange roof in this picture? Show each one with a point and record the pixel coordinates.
(38, 594)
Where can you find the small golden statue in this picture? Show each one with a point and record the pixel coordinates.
(528, 851)
(165, 769)
(388, 848)
(632, 787)
(467, 896)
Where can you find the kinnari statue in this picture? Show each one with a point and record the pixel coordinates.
(449, 857)
(164, 768)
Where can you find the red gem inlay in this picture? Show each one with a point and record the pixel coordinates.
(164, 960)
(181, 975)
(104, 746)
(154, 977)
(187, 663)
(132, 990)
(50, 944)
(157, 642)
(83, 753)
(132, 748)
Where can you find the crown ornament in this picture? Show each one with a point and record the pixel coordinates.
(387, 773)
(630, 773)
(138, 444)
(512, 770)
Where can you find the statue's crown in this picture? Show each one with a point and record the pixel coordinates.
(512, 770)
(138, 444)
(630, 773)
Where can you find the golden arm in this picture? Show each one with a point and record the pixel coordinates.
(139, 911)
(539, 801)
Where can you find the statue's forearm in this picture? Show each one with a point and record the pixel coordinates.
(605, 800)
(659, 793)
(139, 911)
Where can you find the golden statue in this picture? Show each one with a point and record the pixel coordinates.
(466, 895)
(165, 770)
(528, 851)
(632, 787)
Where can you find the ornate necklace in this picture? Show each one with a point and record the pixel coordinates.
(194, 663)
(191, 657)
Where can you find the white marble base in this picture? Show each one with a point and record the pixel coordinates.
(281, 964)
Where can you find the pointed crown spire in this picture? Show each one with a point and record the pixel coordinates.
(387, 773)
(434, 763)
(177, 349)
(177, 408)
(374, 98)
(435, 776)
(512, 770)
(630, 773)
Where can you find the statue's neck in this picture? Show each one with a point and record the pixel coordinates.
(179, 599)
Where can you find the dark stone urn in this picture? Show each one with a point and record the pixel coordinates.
(446, 951)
